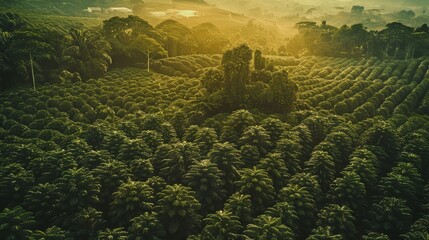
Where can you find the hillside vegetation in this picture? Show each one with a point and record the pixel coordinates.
(133, 131)
(131, 150)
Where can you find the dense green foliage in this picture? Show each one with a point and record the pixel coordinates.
(239, 146)
(395, 41)
(314, 172)
(235, 86)
(70, 52)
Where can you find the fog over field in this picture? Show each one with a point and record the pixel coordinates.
(280, 7)
(375, 14)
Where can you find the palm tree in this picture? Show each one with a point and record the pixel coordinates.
(291, 151)
(157, 183)
(274, 127)
(404, 182)
(134, 149)
(54, 233)
(178, 211)
(344, 144)
(15, 181)
(240, 205)
(113, 141)
(364, 167)
(266, 227)
(322, 165)
(16, 223)
(50, 166)
(390, 216)
(304, 138)
(375, 236)
(131, 199)
(85, 224)
(221, 225)
(22, 50)
(42, 200)
(340, 219)
(178, 160)
(94, 158)
(87, 53)
(276, 168)
(257, 184)
(205, 139)
(323, 233)
(205, 179)
(111, 175)
(416, 143)
(332, 150)
(256, 136)
(190, 134)
(152, 138)
(319, 127)
(310, 183)
(235, 124)
(112, 234)
(79, 188)
(287, 214)
(227, 158)
(142, 169)
(146, 226)
(250, 155)
(5, 62)
(385, 136)
(300, 199)
(348, 190)
(419, 230)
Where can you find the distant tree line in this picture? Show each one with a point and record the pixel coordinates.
(134, 41)
(82, 54)
(396, 40)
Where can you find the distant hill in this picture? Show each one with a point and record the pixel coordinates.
(192, 1)
(394, 3)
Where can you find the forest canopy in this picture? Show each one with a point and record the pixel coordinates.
(396, 41)
(157, 125)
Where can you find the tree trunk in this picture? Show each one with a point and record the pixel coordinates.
(148, 62)
(395, 55)
(32, 73)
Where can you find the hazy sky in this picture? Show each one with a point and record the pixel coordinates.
(293, 5)
(404, 3)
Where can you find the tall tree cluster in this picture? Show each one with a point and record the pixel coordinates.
(49, 55)
(236, 69)
(81, 54)
(235, 85)
(133, 40)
